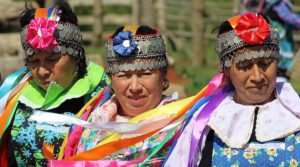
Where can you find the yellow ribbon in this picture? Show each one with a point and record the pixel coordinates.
(114, 143)
(132, 28)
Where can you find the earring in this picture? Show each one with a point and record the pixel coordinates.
(111, 89)
(166, 84)
(76, 72)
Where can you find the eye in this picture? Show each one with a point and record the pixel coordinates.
(32, 60)
(54, 58)
(244, 65)
(121, 75)
(265, 62)
(146, 74)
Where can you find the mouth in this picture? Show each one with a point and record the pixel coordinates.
(258, 87)
(136, 98)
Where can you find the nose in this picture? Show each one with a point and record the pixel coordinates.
(43, 72)
(257, 75)
(135, 85)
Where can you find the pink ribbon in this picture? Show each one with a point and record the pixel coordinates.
(102, 163)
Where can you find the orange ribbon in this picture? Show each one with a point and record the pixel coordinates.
(102, 151)
(8, 109)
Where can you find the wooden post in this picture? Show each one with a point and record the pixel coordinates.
(197, 33)
(181, 24)
(148, 14)
(98, 22)
(237, 7)
(49, 3)
(135, 11)
(161, 15)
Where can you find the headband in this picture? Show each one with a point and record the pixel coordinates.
(47, 32)
(129, 52)
(248, 30)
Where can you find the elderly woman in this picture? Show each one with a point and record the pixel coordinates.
(61, 83)
(251, 120)
(137, 65)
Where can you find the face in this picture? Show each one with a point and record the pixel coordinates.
(254, 80)
(47, 67)
(137, 91)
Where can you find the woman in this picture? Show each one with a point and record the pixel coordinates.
(61, 83)
(252, 120)
(137, 66)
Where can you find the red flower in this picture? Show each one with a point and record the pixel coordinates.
(252, 28)
(40, 34)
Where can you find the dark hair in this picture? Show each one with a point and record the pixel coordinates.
(142, 30)
(66, 15)
(225, 26)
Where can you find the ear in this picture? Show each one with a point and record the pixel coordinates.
(226, 72)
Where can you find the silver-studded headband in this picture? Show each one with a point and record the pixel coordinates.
(68, 40)
(127, 52)
(240, 38)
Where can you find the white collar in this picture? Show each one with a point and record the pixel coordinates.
(233, 122)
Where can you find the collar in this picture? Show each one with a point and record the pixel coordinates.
(233, 123)
(37, 98)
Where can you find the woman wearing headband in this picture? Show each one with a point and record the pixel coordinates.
(251, 120)
(137, 65)
(61, 83)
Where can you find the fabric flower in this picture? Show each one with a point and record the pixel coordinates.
(252, 28)
(124, 43)
(40, 34)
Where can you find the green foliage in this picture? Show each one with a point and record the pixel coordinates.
(198, 76)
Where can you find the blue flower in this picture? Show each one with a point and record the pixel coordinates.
(21, 138)
(19, 120)
(27, 153)
(124, 43)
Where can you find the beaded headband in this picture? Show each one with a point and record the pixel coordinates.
(46, 32)
(248, 30)
(128, 52)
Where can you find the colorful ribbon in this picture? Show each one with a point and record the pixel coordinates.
(202, 118)
(102, 163)
(9, 101)
(76, 131)
(47, 13)
(200, 123)
(11, 81)
(114, 143)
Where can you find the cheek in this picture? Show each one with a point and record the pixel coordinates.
(155, 86)
(33, 71)
(64, 71)
(271, 72)
(119, 86)
(237, 78)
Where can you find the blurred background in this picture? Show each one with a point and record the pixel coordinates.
(189, 28)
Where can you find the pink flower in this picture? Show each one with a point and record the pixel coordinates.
(40, 34)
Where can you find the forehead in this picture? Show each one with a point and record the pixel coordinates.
(256, 48)
(137, 72)
(41, 53)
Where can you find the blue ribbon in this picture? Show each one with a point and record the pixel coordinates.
(190, 114)
(11, 81)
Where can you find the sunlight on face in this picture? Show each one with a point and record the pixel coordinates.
(254, 80)
(138, 91)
